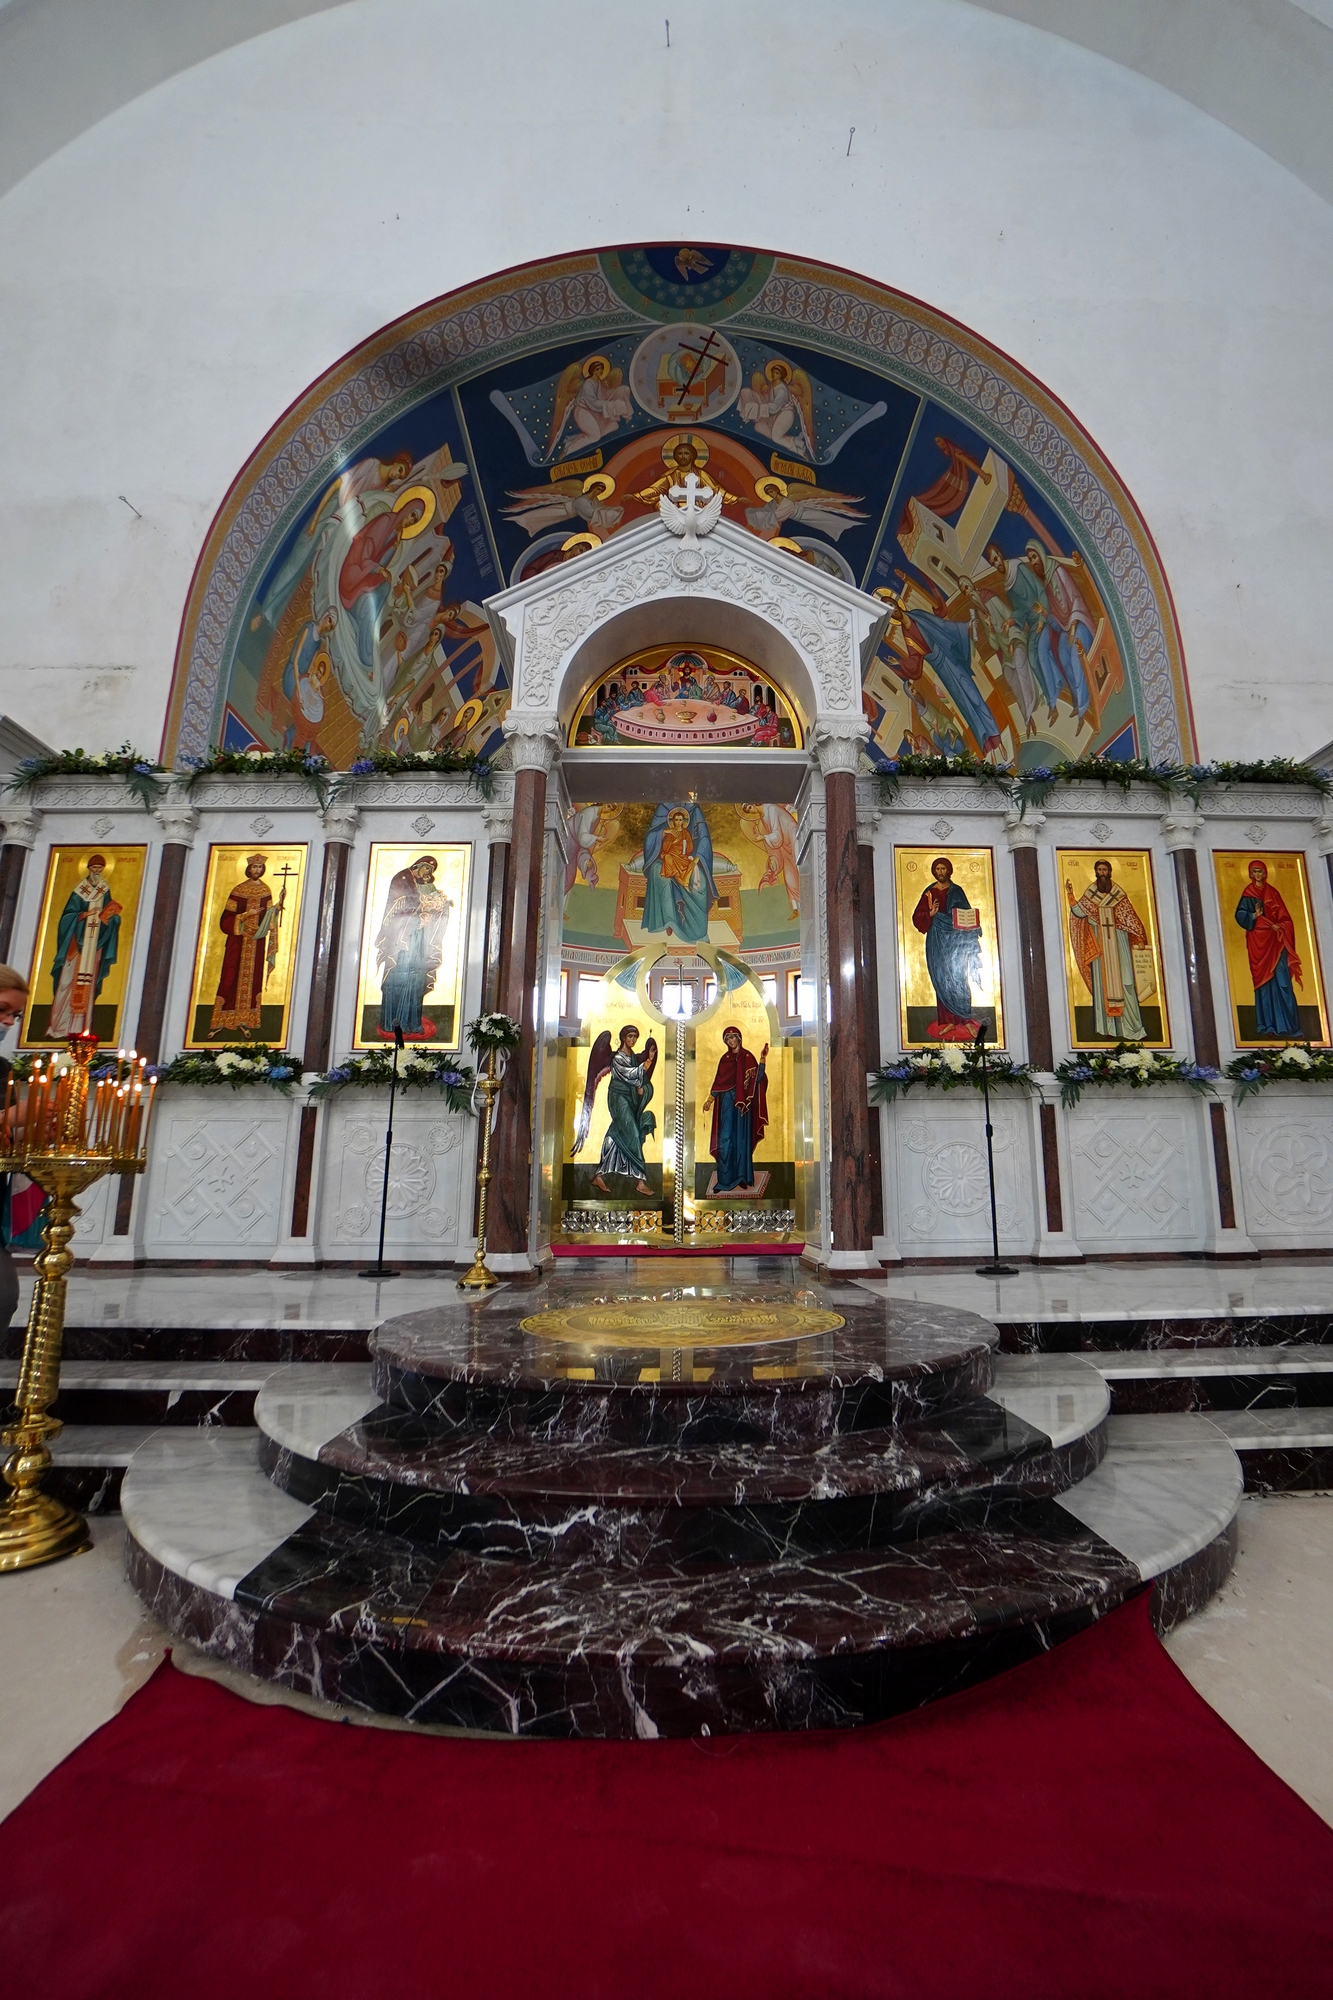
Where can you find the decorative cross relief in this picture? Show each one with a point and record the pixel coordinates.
(689, 520)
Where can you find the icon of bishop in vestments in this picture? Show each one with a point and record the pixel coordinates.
(87, 940)
(1104, 928)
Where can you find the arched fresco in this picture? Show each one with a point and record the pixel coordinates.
(512, 425)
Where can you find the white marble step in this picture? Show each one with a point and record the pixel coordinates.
(1061, 1394)
(1275, 1430)
(1158, 1363)
(213, 1377)
(1166, 1488)
(108, 1444)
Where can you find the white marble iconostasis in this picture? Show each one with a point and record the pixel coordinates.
(1124, 1173)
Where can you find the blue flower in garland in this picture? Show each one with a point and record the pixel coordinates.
(361, 768)
(279, 1073)
(1251, 1075)
(1042, 771)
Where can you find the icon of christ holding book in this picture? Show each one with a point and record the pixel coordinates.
(952, 931)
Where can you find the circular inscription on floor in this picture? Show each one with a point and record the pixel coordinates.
(642, 1323)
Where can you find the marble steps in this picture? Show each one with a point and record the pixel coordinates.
(153, 1392)
(333, 1444)
(255, 1575)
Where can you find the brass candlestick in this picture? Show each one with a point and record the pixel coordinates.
(64, 1137)
(480, 1278)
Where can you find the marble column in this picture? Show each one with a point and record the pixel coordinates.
(850, 1219)
(339, 831)
(498, 822)
(179, 821)
(867, 819)
(21, 825)
(1022, 831)
(1180, 829)
(534, 745)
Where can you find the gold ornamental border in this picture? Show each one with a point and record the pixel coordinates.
(643, 1324)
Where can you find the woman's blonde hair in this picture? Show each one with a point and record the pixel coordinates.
(12, 980)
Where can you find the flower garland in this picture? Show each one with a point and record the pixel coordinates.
(306, 764)
(144, 776)
(1128, 1063)
(946, 1068)
(1034, 786)
(1297, 1063)
(411, 763)
(419, 1068)
(235, 1066)
(493, 1033)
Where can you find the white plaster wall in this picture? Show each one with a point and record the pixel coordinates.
(174, 277)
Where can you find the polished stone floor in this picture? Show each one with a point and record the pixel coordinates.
(75, 1643)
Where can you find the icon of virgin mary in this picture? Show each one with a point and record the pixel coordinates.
(409, 948)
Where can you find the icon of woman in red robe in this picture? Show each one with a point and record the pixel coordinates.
(740, 1114)
(1270, 940)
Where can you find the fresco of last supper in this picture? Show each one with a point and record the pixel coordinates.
(354, 621)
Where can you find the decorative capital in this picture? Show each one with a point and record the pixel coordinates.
(533, 738)
(340, 822)
(838, 743)
(1323, 828)
(498, 824)
(178, 819)
(21, 824)
(1022, 829)
(1180, 828)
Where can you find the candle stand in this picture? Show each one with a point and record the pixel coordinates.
(64, 1129)
(480, 1278)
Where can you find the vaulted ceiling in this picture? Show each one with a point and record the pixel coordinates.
(1262, 67)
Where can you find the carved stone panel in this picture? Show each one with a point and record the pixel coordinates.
(1285, 1141)
(1138, 1174)
(431, 1177)
(940, 1182)
(215, 1176)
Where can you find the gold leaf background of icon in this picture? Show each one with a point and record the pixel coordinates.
(1132, 871)
(226, 867)
(1287, 874)
(65, 868)
(974, 872)
(452, 875)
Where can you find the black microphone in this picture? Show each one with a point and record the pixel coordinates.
(979, 1039)
(398, 1039)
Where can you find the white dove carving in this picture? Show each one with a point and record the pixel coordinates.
(690, 519)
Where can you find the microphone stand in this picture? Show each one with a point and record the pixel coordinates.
(379, 1269)
(995, 1269)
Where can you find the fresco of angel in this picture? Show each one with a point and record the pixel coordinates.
(779, 405)
(774, 829)
(536, 508)
(813, 507)
(628, 1095)
(591, 401)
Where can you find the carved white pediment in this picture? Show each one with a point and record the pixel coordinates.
(810, 624)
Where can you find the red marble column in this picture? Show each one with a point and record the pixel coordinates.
(339, 827)
(869, 989)
(511, 1145)
(850, 1220)
(179, 821)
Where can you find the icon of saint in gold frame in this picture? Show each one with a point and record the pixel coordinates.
(1112, 948)
(1274, 979)
(948, 946)
(413, 938)
(90, 907)
(245, 960)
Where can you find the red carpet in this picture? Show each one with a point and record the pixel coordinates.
(1083, 1826)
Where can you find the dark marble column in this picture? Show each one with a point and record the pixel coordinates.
(511, 1146)
(1037, 1001)
(179, 821)
(339, 828)
(1179, 830)
(499, 821)
(20, 837)
(850, 1218)
(869, 1021)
